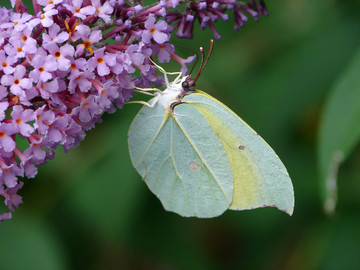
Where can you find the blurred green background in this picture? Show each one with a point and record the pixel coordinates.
(88, 209)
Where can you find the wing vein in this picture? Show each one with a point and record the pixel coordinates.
(173, 161)
(198, 153)
(152, 141)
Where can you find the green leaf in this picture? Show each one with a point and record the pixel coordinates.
(340, 129)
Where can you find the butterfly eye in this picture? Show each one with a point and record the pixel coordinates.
(185, 85)
(188, 86)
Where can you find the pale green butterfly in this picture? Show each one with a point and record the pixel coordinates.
(200, 159)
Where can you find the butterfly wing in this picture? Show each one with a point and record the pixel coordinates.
(181, 160)
(261, 179)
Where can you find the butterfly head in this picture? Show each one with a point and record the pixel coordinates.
(188, 86)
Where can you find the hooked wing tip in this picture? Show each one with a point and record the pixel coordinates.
(287, 211)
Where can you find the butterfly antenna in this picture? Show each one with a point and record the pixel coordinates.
(189, 84)
(192, 69)
(203, 64)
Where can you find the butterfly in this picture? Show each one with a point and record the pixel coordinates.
(200, 159)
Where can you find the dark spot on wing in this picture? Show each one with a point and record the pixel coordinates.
(241, 147)
(193, 165)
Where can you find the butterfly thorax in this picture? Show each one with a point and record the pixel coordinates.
(173, 93)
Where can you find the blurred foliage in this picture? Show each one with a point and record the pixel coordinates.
(339, 132)
(289, 76)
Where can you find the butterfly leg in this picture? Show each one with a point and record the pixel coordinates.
(162, 70)
(142, 90)
(148, 104)
(174, 104)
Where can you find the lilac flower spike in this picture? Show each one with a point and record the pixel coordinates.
(64, 66)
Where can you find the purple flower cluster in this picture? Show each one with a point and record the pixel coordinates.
(63, 67)
(208, 12)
